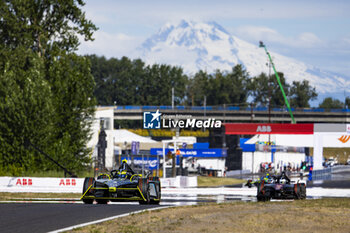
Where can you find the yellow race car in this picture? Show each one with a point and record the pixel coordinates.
(122, 185)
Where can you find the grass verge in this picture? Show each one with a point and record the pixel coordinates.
(204, 181)
(324, 215)
(13, 196)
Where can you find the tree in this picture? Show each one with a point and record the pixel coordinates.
(53, 97)
(347, 102)
(219, 88)
(238, 80)
(130, 82)
(263, 88)
(72, 87)
(330, 103)
(26, 110)
(301, 93)
(44, 25)
(197, 88)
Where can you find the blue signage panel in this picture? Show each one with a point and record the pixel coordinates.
(246, 147)
(150, 164)
(200, 153)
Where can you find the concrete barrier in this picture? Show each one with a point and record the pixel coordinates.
(324, 174)
(179, 182)
(72, 185)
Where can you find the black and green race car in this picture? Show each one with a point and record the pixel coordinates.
(122, 185)
(280, 187)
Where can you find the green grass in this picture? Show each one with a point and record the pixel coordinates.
(204, 181)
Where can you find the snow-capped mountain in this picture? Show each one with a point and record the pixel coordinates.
(208, 46)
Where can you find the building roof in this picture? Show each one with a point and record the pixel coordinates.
(123, 135)
(328, 140)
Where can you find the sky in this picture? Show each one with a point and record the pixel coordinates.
(314, 32)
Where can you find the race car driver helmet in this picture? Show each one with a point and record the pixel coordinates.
(123, 174)
(267, 177)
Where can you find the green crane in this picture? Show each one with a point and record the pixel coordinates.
(261, 45)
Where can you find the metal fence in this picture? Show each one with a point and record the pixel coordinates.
(229, 108)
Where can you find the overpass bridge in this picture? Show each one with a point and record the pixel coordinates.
(239, 114)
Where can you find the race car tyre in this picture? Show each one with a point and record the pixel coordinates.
(156, 200)
(99, 201)
(261, 187)
(263, 194)
(299, 191)
(101, 192)
(263, 198)
(261, 191)
(144, 188)
(303, 191)
(87, 183)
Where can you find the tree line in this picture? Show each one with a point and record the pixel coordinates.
(131, 82)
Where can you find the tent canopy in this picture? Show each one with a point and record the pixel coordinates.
(123, 135)
(330, 140)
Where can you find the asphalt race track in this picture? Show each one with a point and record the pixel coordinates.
(44, 215)
(40, 217)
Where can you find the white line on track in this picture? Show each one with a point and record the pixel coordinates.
(106, 219)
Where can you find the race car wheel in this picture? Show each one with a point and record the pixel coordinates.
(101, 201)
(156, 200)
(263, 198)
(87, 183)
(101, 193)
(144, 188)
(261, 187)
(301, 191)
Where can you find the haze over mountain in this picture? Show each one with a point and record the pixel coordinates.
(208, 46)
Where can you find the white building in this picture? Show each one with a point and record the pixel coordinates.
(117, 140)
(103, 115)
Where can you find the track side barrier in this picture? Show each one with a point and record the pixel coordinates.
(72, 185)
(41, 185)
(179, 182)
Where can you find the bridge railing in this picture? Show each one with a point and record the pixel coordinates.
(228, 108)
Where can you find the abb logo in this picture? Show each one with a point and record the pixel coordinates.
(263, 128)
(68, 182)
(344, 139)
(24, 182)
